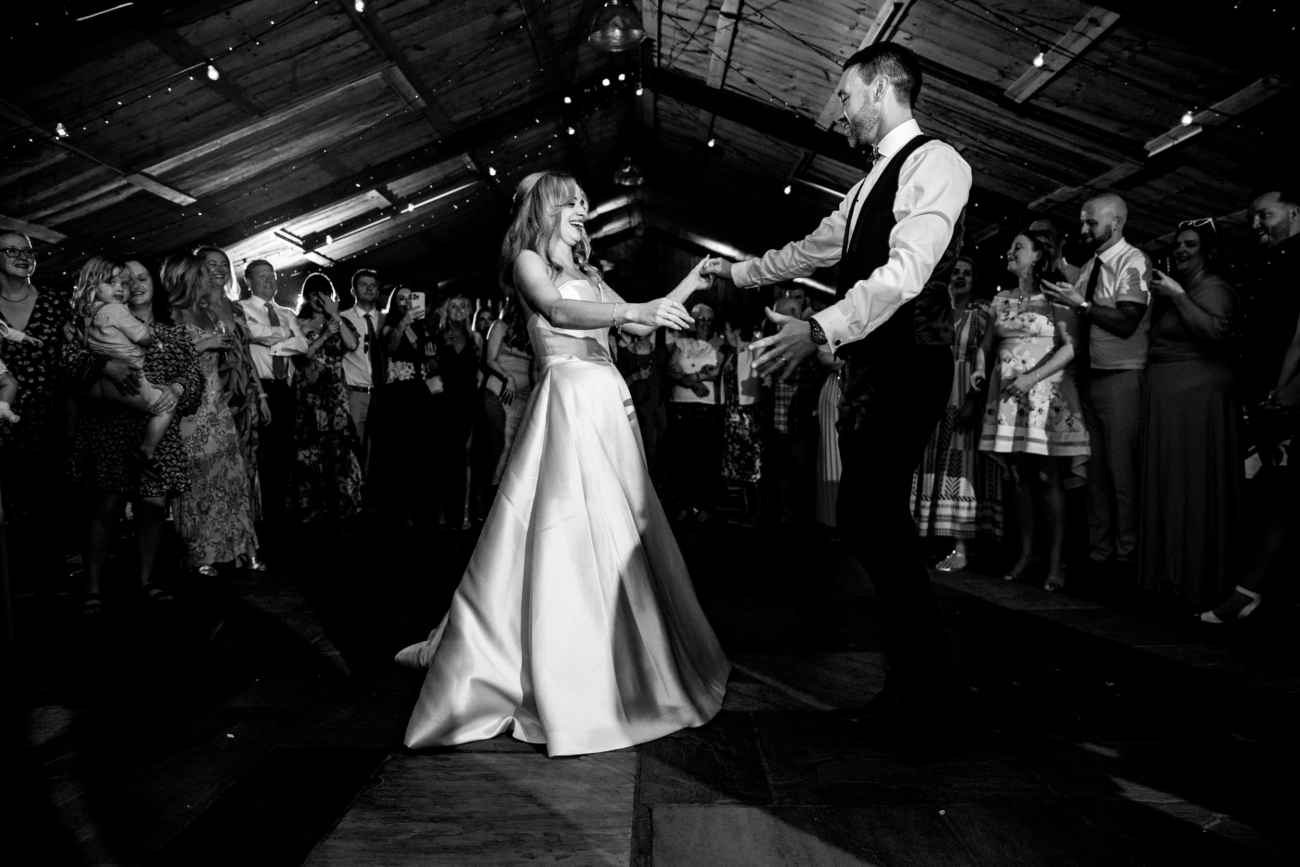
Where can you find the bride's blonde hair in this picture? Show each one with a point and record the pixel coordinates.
(537, 203)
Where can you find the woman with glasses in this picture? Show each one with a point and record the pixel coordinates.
(34, 452)
(1190, 481)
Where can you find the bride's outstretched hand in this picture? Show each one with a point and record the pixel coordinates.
(661, 313)
(696, 280)
(714, 266)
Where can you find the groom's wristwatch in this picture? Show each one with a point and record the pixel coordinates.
(1081, 309)
(815, 329)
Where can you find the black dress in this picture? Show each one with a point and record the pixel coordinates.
(402, 423)
(459, 372)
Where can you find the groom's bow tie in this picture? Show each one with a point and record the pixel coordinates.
(876, 155)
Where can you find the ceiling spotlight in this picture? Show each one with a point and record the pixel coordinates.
(61, 130)
(492, 172)
(605, 81)
(786, 190)
(360, 5)
(639, 90)
(1187, 118)
(712, 141)
(622, 76)
(1040, 59)
(572, 130)
(212, 72)
(568, 100)
(616, 28)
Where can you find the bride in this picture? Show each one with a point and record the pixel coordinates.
(576, 623)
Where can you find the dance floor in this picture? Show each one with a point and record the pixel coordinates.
(259, 722)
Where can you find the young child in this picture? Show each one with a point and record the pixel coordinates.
(8, 332)
(8, 391)
(110, 329)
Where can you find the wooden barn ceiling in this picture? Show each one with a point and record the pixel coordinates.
(391, 135)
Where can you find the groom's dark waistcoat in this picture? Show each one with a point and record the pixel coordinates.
(924, 320)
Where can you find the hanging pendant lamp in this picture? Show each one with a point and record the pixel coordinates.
(627, 174)
(616, 27)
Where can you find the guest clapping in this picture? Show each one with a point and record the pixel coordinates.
(326, 484)
(1032, 413)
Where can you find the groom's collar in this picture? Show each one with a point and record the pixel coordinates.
(897, 137)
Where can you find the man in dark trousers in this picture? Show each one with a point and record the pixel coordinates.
(896, 237)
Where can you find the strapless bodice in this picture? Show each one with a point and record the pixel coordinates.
(552, 345)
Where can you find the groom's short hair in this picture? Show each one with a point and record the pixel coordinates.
(898, 64)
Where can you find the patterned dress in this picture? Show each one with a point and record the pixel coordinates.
(956, 491)
(243, 390)
(33, 449)
(742, 426)
(215, 519)
(829, 467)
(327, 476)
(1048, 420)
(107, 434)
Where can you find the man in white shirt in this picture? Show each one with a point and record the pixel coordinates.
(896, 237)
(277, 338)
(1112, 300)
(363, 367)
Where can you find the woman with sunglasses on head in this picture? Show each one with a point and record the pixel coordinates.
(1190, 480)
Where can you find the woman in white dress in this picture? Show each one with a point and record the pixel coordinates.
(576, 624)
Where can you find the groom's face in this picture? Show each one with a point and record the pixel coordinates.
(861, 117)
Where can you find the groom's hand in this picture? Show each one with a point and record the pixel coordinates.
(716, 267)
(784, 350)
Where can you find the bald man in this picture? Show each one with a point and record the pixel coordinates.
(1112, 300)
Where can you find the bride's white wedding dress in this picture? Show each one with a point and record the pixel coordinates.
(576, 622)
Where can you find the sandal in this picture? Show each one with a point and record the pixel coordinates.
(155, 595)
(1055, 583)
(92, 605)
(954, 562)
(1020, 570)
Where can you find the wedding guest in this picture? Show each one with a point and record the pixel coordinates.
(277, 338)
(742, 427)
(326, 482)
(403, 416)
(643, 361)
(1190, 467)
(364, 365)
(1033, 414)
(215, 518)
(1049, 228)
(1111, 301)
(795, 431)
(509, 361)
(107, 432)
(1270, 365)
(458, 363)
(483, 319)
(957, 490)
(239, 381)
(696, 417)
(34, 452)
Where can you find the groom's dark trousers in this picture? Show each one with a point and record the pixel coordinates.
(894, 387)
(875, 519)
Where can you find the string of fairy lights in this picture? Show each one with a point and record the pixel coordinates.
(91, 114)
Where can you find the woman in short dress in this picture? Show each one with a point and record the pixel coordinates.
(1032, 418)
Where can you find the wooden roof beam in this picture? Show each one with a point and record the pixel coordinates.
(420, 94)
(33, 230)
(141, 179)
(724, 37)
(1093, 26)
(180, 49)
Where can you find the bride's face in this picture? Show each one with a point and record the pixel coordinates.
(572, 218)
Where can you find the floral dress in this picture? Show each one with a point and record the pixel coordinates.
(1049, 419)
(215, 519)
(243, 390)
(327, 476)
(108, 434)
(33, 449)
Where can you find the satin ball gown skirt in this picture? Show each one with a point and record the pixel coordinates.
(576, 623)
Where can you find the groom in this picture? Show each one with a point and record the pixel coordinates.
(896, 236)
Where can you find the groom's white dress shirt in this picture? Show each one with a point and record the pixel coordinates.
(933, 188)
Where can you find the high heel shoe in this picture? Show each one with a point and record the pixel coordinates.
(1242, 614)
(256, 565)
(208, 570)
